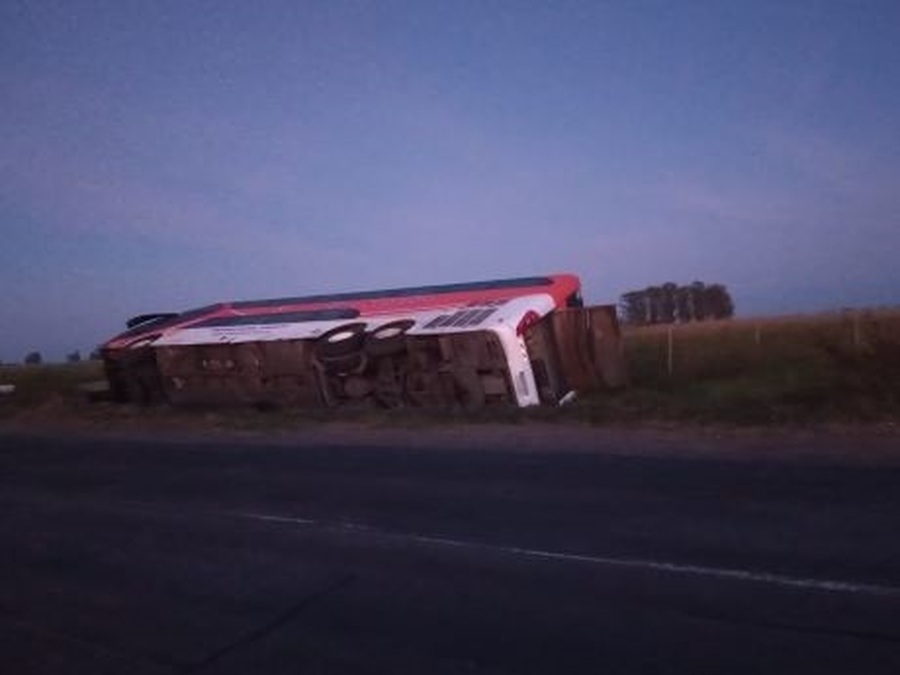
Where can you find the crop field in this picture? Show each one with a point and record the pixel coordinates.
(841, 366)
(37, 384)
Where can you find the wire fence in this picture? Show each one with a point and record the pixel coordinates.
(782, 345)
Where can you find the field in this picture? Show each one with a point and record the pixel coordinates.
(813, 369)
(829, 367)
(37, 385)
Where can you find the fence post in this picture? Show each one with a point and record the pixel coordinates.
(857, 338)
(757, 335)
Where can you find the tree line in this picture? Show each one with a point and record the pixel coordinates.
(670, 303)
(35, 358)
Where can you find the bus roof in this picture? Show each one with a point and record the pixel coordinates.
(560, 287)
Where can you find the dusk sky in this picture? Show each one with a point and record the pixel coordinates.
(161, 155)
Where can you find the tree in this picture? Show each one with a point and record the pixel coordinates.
(670, 303)
(74, 357)
(684, 309)
(653, 296)
(34, 359)
(633, 310)
(698, 300)
(718, 302)
(667, 302)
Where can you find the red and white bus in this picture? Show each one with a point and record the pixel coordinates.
(466, 343)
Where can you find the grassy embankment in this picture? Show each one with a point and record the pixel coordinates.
(786, 370)
(39, 385)
(841, 367)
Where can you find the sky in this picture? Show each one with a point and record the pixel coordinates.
(156, 156)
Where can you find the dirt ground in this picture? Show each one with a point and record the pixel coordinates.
(867, 444)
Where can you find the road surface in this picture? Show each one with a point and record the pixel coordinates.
(151, 556)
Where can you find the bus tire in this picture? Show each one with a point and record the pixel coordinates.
(389, 339)
(341, 341)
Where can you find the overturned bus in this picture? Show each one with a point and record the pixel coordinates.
(523, 341)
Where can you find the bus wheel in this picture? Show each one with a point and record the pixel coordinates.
(389, 339)
(341, 341)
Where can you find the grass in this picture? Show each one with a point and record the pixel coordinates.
(38, 384)
(772, 371)
(797, 369)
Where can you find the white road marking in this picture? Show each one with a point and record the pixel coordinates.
(830, 585)
(277, 519)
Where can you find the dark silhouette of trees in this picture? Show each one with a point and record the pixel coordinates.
(718, 301)
(654, 298)
(667, 303)
(684, 308)
(634, 308)
(698, 301)
(74, 357)
(34, 359)
(670, 303)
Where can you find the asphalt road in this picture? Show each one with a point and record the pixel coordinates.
(162, 557)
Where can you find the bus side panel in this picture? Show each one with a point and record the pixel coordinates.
(543, 353)
(254, 373)
(608, 348)
(480, 368)
(133, 375)
(466, 369)
(589, 345)
(214, 374)
(460, 369)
